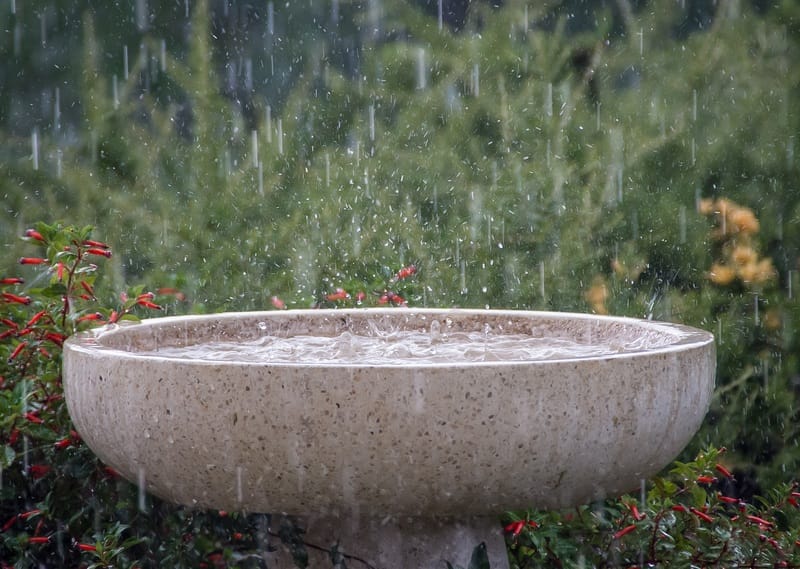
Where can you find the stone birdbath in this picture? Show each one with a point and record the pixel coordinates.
(401, 462)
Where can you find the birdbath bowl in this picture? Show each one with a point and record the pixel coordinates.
(403, 458)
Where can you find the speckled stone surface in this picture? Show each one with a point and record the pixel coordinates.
(422, 440)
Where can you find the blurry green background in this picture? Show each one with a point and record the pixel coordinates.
(561, 156)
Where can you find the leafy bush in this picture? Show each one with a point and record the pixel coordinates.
(59, 506)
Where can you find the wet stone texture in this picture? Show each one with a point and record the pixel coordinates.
(363, 443)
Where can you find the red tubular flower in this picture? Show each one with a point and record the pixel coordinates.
(98, 251)
(32, 261)
(706, 479)
(55, 337)
(9, 522)
(514, 528)
(635, 513)
(63, 443)
(12, 281)
(8, 322)
(10, 297)
(360, 296)
(60, 271)
(33, 417)
(87, 547)
(405, 272)
(727, 499)
(17, 351)
(759, 521)
(97, 244)
(110, 472)
(702, 515)
(33, 234)
(172, 291)
(88, 288)
(7, 333)
(92, 316)
(39, 539)
(148, 304)
(35, 318)
(28, 514)
(722, 470)
(678, 508)
(338, 294)
(278, 303)
(39, 471)
(237, 536)
(624, 531)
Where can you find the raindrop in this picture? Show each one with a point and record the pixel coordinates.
(440, 13)
(756, 316)
(327, 169)
(372, 122)
(35, 147)
(541, 279)
(163, 56)
(476, 81)
(57, 111)
(125, 62)
(260, 178)
(682, 223)
(239, 492)
(141, 15)
(254, 147)
(268, 124)
(270, 19)
(43, 27)
(597, 112)
(279, 135)
(693, 152)
(694, 105)
(548, 102)
(422, 74)
(13, 6)
(641, 42)
(790, 278)
(115, 90)
(186, 8)
(59, 162)
(140, 480)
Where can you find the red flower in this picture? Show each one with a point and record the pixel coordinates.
(702, 515)
(17, 351)
(98, 244)
(706, 479)
(338, 294)
(63, 443)
(149, 304)
(759, 521)
(406, 272)
(92, 316)
(624, 531)
(33, 234)
(87, 547)
(12, 281)
(722, 470)
(35, 318)
(98, 251)
(278, 303)
(15, 298)
(32, 261)
(39, 539)
(39, 471)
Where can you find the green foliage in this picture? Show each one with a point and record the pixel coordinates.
(515, 163)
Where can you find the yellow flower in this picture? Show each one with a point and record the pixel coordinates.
(743, 220)
(721, 275)
(597, 295)
(744, 255)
